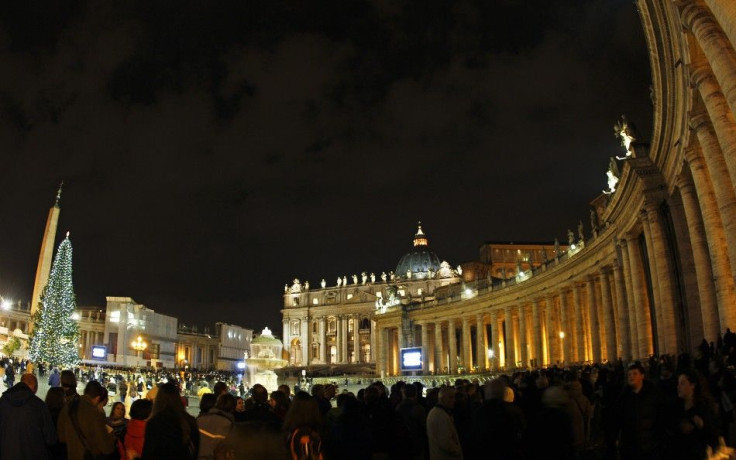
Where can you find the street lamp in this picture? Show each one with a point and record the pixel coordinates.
(138, 345)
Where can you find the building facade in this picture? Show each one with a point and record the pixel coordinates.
(654, 275)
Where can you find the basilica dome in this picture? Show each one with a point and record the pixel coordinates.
(420, 262)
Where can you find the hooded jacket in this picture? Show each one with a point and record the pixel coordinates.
(26, 428)
(135, 436)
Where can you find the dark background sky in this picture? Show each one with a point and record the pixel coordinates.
(213, 151)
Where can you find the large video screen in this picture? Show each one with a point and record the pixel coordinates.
(411, 359)
(99, 352)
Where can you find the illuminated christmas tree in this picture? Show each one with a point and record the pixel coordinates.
(55, 332)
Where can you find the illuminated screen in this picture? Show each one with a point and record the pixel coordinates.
(241, 365)
(411, 359)
(99, 352)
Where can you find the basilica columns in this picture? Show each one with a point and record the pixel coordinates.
(645, 344)
(467, 345)
(356, 339)
(495, 341)
(481, 343)
(716, 239)
(594, 326)
(702, 261)
(622, 312)
(509, 342)
(537, 333)
(452, 345)
(715, 45)
(425, 347)
(566, 338)
(322, 328)
(608, 316)
(523, 344)
(439, 356)
(580, 354)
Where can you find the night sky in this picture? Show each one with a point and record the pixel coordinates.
(213, 151)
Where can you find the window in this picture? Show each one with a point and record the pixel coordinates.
(295, 327)
(115, 316)
(315, 302)
(331, 325)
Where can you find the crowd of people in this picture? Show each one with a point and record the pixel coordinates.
(664, 408)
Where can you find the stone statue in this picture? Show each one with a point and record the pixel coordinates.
(355, 279)
(393, 276)
(570, 237)
(445, 270)
(344, 280)
(296, 287)
(384, 277)
(626, 132)
(408, 274)
(286, 288)
(613, 175)
(339, 281)
(430, 273)
(593, 220)
(580, 230)
(306, 285)
(373, 277)
(459, 270)
(364, 277)
(557, 248)
(323, 283)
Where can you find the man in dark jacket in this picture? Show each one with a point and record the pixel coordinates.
(639, 415)
(26, 428)
(261, 411)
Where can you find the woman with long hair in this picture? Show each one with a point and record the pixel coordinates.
(171, 433)
(694, 424)
(302, 425)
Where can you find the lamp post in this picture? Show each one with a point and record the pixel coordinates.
(138, 345)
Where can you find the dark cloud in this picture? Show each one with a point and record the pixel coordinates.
(214, 151)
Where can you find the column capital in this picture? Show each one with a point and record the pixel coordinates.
(699, 120)
(606, 270)
(693, 14)
(684, 181)
(699, 73)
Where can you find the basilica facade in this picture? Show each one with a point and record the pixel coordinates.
(654, 274)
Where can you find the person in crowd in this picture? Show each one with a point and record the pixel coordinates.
(280, 403)
(117, 421)
(55, 403)
(82, 425)
(581, 413)
(302, 425)
(412, 419)
(55, 378)
(215, 425)
(69, 384)
(497, 419)
(694, 425)
(220, 388)
(27, 431)
(639, 418)
(122, 390)
(550, 433)
(252, 440)
(261, 411)
(444, 442)
(206, 403)
(171, 433)
(135, 434)
(319, 392)
(286, 391)
(9, 374)
(350, 435)
(381, 420)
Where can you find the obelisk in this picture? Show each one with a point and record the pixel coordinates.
(47, 252)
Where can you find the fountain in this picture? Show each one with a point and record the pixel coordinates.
(265, 357)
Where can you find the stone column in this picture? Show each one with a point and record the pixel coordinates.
(356, 338)
(452, 345)
(523, 344)
(622, 312)
(439, 358)
(467, 344)
(374, 337)
(306, 340)
(494, 341)
(537, 331)
(425, 347)
(656, 301)
(719, 114)
(726, 14)
(287, 339)
(608, 314)
(724, 191)
(322, 340)
(716, 240)
(383, 354)
(480, 343)
(641, 301)
(344, 358)
(509, 342)
(631, 304)
(566, 344)
(715, 45)
(702, 262)
(549, 329)
(594, 328)
(579, 327)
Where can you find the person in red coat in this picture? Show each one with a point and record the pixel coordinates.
(140, 410)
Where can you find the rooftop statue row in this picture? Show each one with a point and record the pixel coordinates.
(445, 271)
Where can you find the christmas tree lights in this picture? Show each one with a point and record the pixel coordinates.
(55, 332)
